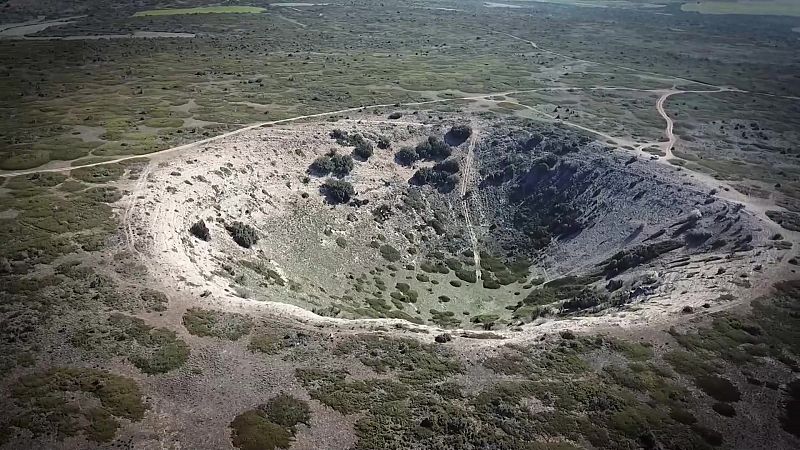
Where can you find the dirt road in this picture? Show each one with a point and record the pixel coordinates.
(465, 180)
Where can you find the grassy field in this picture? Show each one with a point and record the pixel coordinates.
(201, 10)
(246, 68)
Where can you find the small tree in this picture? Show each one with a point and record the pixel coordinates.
(200, 231)
(338, 191)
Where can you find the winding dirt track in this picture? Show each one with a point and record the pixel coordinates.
(465, 180)
(670, 124)
(258, 125)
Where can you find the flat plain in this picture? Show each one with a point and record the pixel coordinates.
(385, 225)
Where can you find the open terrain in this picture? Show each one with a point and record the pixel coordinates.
(428, 225)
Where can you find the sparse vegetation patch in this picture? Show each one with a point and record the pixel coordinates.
(218, 324)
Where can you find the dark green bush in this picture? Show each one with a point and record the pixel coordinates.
(389, 253)
(489, 283)
(219, 324)
(442, 180)
(433, 149)
(467, 275)
(252, 431)
(287, 411)
(724, 409)
(244, 235)
(338, 191)
(406, 156)
(332, 163)
(363, 150)
(718, 388)
(384, 143)
(200, 230)
(458, 134)
(450, 165)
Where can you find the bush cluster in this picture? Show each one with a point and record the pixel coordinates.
(332, 163)
(458, 134)
(338, 191)
(270, 426)
(243, 234)
(443, 175)
(200, 231)
(431, 149)
(363, 149)
(406, 156)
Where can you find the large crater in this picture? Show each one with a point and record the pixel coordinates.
(523, 225)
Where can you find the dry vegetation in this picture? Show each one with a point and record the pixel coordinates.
(521, 261)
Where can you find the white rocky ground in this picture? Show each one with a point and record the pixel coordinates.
(257, 177)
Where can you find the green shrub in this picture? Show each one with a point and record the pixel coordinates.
(449, 165)
(153, 300)
(267, 343)
(219, 324)
(489, 283)
(347, 397)
(636, 351)
(682, 415)
(406, 156)
(251, 430)
(433, 149)
(458, 134)
(52, 408)
(443, 181)
(243, 234)
(338, 191)
(790, 417)
(332, 163)
(389, 253)
(690, 364)
(724, 409)
(467, 275)
(413, 362)
(712, 437)
(151, 350)
(454, 264)
(200, 230)
(287, 411)
(363, 150)
(718, 388)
